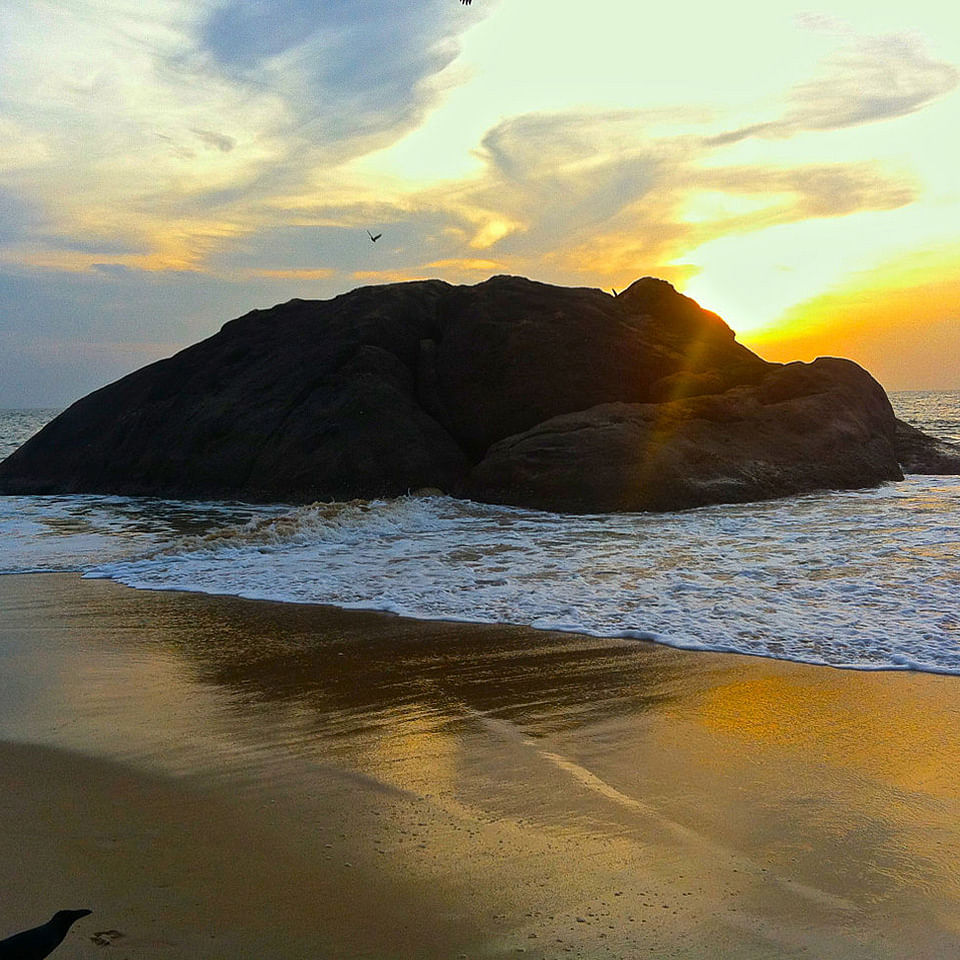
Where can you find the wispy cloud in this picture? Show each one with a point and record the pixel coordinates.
(150, 117)
(869, 80)
(351, 76)
(814, 190)
(218, 141)
(601, 197)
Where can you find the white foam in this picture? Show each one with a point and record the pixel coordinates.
(60, 533)
(863, 579)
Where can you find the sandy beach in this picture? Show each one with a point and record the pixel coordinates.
(227, 778)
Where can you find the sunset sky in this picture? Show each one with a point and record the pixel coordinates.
(166, 165)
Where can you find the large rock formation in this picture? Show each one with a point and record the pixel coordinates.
(803, 427)
(509, 391)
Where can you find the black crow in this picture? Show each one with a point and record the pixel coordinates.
(41, 941)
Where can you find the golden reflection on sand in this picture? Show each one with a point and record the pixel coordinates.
(503, 788)
(898, 728)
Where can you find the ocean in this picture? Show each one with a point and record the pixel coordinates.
(865, 579)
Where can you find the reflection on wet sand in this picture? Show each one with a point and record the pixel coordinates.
(554, 793)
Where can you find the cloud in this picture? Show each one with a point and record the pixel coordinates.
(601, 197)
(817, 190)
(410, 237)
(218, 141)
(182, 134)
(305, 274)
(822, 23)
(558, 177)
(610, 194)
(170, 127)
(18, 216)
(870, 80)
(483, 266)
(20, 147)
(878, 79)
(346, 71)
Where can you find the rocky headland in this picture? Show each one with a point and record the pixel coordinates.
(510, 391)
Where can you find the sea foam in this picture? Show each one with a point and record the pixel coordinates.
(864, 579)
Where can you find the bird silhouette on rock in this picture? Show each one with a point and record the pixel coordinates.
(41, 941)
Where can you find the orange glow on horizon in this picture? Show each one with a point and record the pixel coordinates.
(891, 321)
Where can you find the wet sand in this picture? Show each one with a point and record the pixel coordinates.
(226, 778)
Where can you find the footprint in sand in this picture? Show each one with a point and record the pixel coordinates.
(103, 938)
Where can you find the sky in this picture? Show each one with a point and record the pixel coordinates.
(166, 165)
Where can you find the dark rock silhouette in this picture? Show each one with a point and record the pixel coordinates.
(919, 453)
(803, 428)
(40, 941)
(509, 391)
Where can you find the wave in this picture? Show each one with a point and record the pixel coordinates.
(863, 579)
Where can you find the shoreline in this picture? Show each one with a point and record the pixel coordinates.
(642, 638)
(629, 637)
(255, 779)
(799, 580)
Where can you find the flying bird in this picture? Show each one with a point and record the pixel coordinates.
(41, 941)
(379, 235)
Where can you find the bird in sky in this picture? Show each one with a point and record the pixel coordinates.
(379, 235)
(39, 942)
